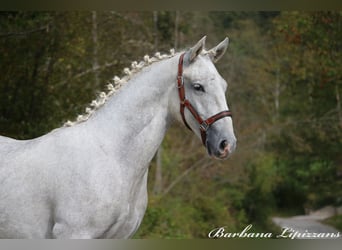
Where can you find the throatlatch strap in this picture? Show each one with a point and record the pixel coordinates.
(181, 91)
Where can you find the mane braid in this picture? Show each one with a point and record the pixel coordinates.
(116, 83)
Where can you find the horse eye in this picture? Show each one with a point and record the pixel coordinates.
(198, 87)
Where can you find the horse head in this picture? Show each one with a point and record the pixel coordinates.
(201, 94)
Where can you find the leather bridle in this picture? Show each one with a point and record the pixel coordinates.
(204, 125)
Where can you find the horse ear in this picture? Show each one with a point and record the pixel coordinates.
(217, 52)
(197, 49)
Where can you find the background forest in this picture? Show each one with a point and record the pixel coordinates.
(285, 88)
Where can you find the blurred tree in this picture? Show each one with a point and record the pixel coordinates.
(309, 45)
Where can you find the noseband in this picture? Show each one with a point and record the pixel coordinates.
(204, 125)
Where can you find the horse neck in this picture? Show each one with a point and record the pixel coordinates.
(134, 121)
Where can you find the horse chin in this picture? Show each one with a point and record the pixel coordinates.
(222, 156)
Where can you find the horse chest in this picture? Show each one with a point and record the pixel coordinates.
(129, 214)
(125, 225)
(117, 219)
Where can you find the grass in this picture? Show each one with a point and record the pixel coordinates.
(335, 221)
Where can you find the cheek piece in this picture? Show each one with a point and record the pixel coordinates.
(204, 125)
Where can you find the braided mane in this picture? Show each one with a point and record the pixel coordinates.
(116, 83)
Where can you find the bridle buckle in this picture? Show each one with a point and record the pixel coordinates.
(204, 126)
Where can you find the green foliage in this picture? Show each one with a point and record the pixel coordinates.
(48, 64)
(191, 215)
(309, 143)
(259, 200)
(165, 21)
(335, 221)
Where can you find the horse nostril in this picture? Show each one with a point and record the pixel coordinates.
(223, 145)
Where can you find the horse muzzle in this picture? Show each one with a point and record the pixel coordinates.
(220, 147)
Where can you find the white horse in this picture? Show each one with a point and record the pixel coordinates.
(89, 179)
